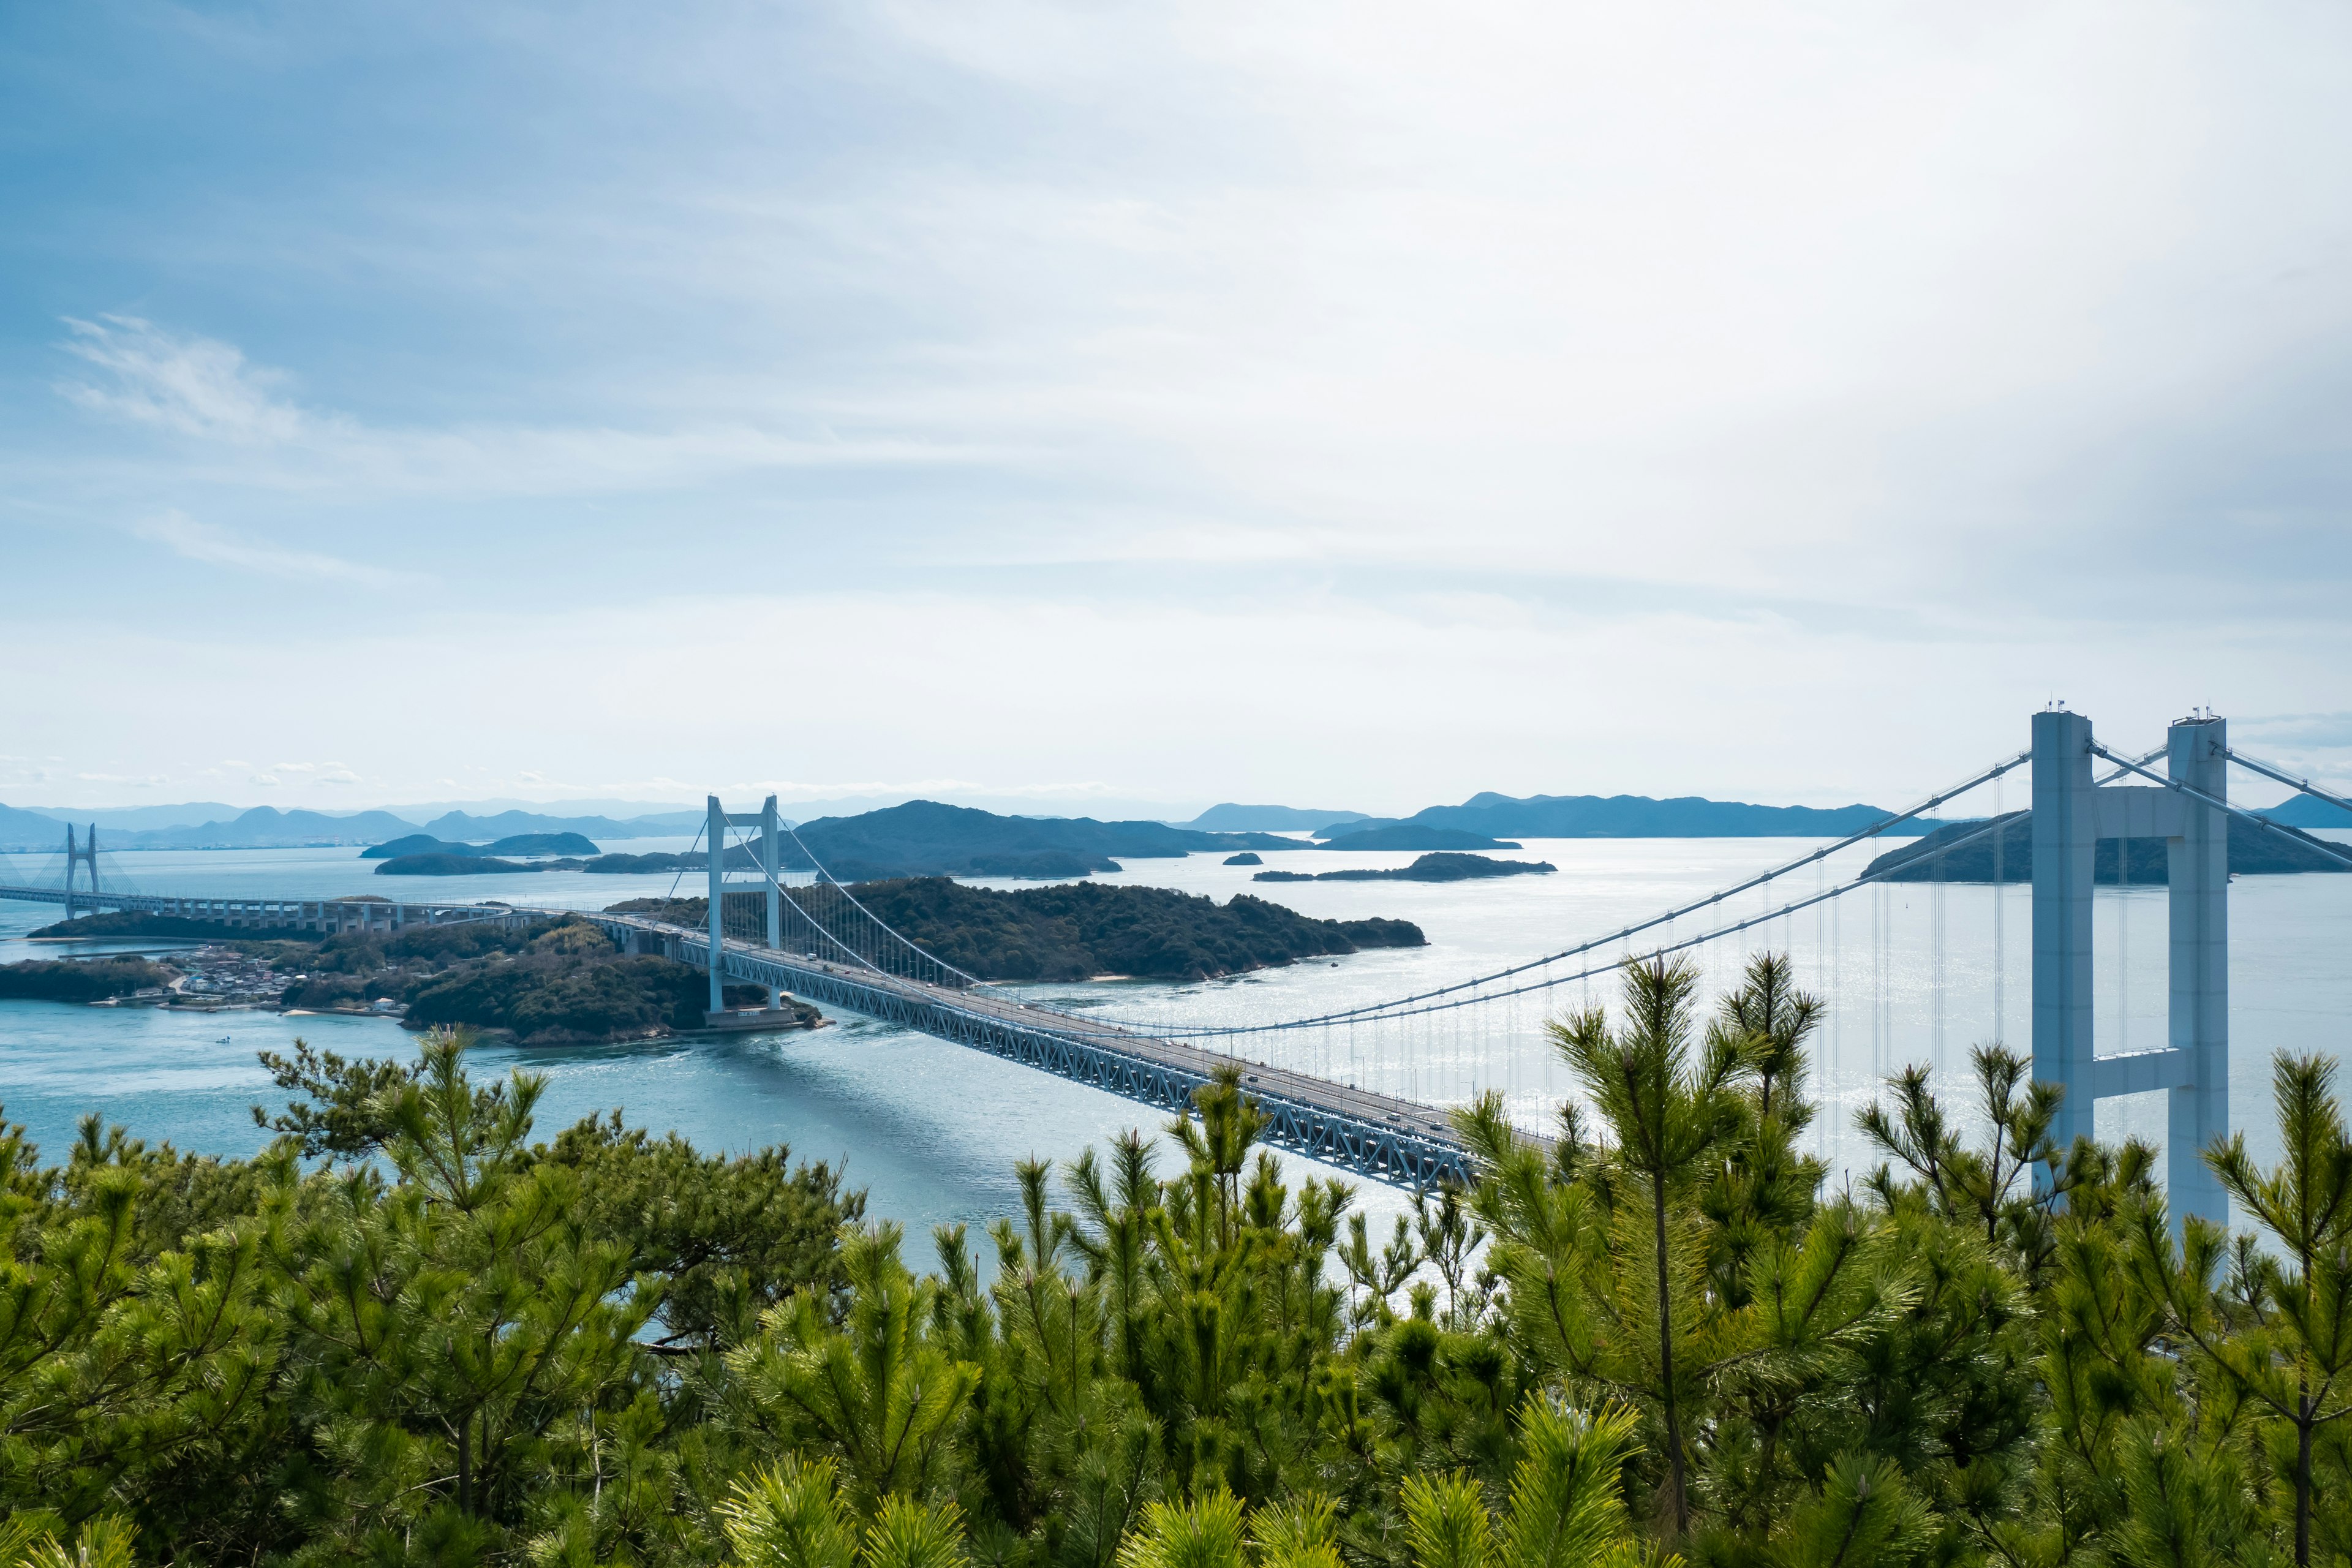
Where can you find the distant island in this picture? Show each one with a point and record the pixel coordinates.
(441, 863)
(266, 828)
(517, 844)
(2253, 853)
(1414, 835)
(1246, 858)
(1632, 816)
(921, 838)
(927, 839)
(2309, 811)
(1080, 930)
(1437, 867)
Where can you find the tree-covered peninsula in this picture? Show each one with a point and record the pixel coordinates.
(552, 981)
(1078, 931)
(81, 980)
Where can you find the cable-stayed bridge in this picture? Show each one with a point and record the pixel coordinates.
(818, 941)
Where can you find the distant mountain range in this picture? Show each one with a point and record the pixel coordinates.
(928, 838)
(1413, 836)
(266, 828)
(1232, 818)
(1495, 816)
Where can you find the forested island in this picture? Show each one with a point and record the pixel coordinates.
(1440, 867)
(1081, 930)
(927, 839)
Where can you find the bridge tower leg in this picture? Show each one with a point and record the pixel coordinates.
(2197, 870)
(771, 862)
(2065, 843)
(717, 834)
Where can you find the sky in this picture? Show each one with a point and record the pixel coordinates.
(1356, 407)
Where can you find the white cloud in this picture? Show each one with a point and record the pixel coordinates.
(206, 390)
(1413, 400)
(192, 385)
(300, 773)
(218, 547)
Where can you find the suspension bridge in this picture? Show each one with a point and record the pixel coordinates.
(818, 941)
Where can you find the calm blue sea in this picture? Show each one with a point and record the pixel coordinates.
(932, 1130)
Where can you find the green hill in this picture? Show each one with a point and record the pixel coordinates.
(1077, 931)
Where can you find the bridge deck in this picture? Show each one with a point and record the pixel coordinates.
(1379, 1135)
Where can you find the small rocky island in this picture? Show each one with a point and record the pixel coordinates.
(1246, 858)
(1439, 867)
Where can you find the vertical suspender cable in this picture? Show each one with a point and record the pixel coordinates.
(1936, 923)
(2123, 943)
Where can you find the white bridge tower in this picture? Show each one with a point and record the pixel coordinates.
(2071, 814)
(771, 869)
(85, 856)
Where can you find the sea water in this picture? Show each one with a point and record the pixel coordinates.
(1911, 973)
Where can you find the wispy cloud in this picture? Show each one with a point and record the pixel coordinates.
(2324, 731)
(183, 535)
(194, 386)
(289, 773)
(208, 390)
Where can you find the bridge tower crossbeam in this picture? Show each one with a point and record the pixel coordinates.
(2071, 814)
(769, 882)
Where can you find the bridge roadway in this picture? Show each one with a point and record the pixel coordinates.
(1381, 1136)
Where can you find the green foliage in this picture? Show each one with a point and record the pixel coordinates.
(343, 1110)
(408, 1334)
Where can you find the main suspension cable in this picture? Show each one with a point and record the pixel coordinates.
(2271, 771)
(2265, 823)
(1668, 918)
